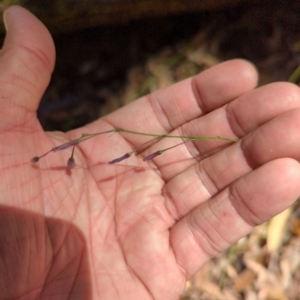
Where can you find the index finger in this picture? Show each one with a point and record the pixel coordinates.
(166, 109)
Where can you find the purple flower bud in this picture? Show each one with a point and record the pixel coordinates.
(120, 158)
(35, 159)
(65, 146)
(151, 156)
(71, 163)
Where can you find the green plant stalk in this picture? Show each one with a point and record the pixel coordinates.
(194, 138)
(85, 137)
(294, 78)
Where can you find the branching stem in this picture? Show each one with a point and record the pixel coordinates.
(84, 137)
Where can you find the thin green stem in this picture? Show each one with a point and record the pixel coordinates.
(294, 78)
(159, 152)
(195, 138)
(85, 137)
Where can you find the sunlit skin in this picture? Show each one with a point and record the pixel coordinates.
(135, 229)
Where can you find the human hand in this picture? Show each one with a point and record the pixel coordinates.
(135, 230)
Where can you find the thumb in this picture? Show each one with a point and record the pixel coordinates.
(26, 63)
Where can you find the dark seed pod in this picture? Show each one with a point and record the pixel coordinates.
(71, 163)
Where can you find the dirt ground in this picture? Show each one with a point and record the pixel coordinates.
(100, 69)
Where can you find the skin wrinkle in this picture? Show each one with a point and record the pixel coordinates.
(197, 95)
(185, 208)
(46, 64)
(214, 249)
(166, 117)
(27, 124)
(70, 263)
(5, 93)
(234, 209)
(92, 245)
(17, 179)
(169, 205)
(36, 292)
(107, 206)
(235, 195)
(22, 181)
(192, 149)
(178, 214)
(166, 128)
(226, 170)
(217, 175)
(182, 132)
(55, 280)
(54, 208)
(106, 271)
(179, 112)
(60, 246)
(42, 58)
(76, 204)
(175, 211)
(202, 174)
(137, 236)
(250, 159)
(64, 207)
(221, 237)
(91, 229)
(138, 276)
(110, 275)
(30, 87)
(114, 285)
(202, 233)
(51, 255)
(233, 122)
(181, 264)
(36, 244)
(23, 127)
(17, 84)
(91, 257)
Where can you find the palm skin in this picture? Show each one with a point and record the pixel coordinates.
(135, 230)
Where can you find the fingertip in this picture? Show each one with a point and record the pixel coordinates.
(248, 71)
(267, 191)
(224, 82)
(24, 29)
(26, 63)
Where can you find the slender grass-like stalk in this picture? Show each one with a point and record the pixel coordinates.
(71, 161)
(294, 78)
(156, 137)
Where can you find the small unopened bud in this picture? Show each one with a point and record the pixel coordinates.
(35, 159)
(65, 146)
(154, 154)
(71, 163)
(120, 158)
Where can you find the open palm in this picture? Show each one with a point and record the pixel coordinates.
(135, 230)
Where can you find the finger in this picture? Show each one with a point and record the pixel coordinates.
(236, 119)
(166, 109)
(27, 61)
(253, 199)
(276, 139)
(261, 105)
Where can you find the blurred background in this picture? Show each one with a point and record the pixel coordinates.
(110, 52)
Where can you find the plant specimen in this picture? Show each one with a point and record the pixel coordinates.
(84, 137)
